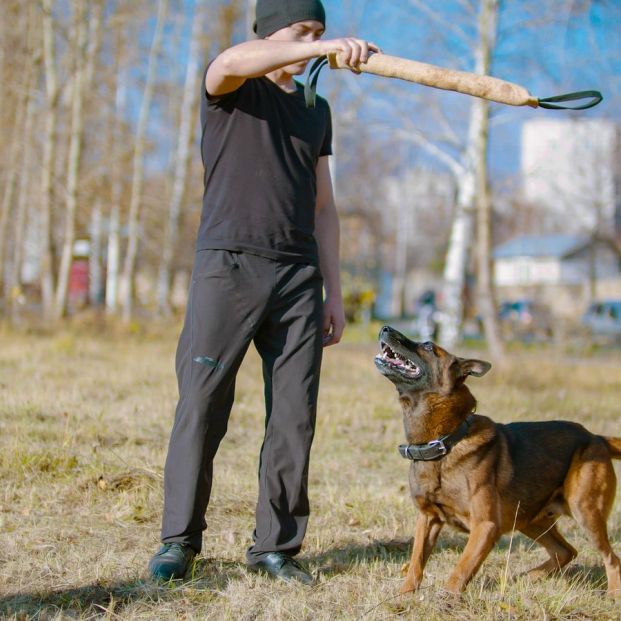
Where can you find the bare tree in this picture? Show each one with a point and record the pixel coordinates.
(475, 162)
(19, 219)
(138, 164)
(488, 21)
(186, 123)
(96, 223)
(75, 154)
(11, 174)
(116, 157)
(49, 156)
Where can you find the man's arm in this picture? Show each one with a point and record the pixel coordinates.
(261, 56)
(327, 235)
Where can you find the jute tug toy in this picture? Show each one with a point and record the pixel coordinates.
(483, 86)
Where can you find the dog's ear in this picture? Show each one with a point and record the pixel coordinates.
(478, 368)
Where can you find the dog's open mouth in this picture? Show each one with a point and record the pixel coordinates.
(394, 360)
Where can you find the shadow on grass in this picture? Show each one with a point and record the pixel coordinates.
(400, 549)
(340, 559)
(208, 576)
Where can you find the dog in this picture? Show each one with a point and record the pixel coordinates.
(486, 478)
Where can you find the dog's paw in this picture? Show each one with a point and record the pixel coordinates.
(408, 587)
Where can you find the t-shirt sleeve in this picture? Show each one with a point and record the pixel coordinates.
(215, 101)
(326, 147)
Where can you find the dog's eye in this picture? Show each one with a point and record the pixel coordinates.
(428, 346)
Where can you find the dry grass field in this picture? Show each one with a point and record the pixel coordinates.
(84, 422)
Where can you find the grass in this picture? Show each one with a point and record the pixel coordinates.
(84, 423)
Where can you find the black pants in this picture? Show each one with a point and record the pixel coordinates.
(236, 298)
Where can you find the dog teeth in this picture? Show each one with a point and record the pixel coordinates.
(395, 359)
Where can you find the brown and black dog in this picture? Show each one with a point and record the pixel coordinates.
(486, 478)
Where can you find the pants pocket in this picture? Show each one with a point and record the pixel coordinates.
(214, 264)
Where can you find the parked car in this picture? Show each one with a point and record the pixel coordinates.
(603, 319)
(526, 320)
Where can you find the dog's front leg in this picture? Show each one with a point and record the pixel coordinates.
(428, 527)
(484, 532)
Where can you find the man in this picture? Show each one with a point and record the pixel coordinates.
(267, 245)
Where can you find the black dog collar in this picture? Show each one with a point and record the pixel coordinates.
(436, 448)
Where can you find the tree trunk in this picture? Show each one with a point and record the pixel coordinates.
(11, 184)
(401, 256)
(12, 173)
(459, 245)
(113, 259)
(485, 284)
(95, 287)
(462, 229)
(116, 155)
(190, 91)
(15, 280)
(49, 156)
(94, 263)
(138, 166)
(94, 42)
(75, 155)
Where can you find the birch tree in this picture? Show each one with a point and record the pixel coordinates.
(11, 173)
(96, 219)
(475, 159)
(138, 165)
(75, 155)
(24, 195)
(485, 287)
(116, 157)
(191, 87)
(10, 184)
(49, 157)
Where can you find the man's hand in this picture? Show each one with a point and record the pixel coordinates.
(350, 50)
(333, 322)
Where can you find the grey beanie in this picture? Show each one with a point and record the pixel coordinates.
(272, 15)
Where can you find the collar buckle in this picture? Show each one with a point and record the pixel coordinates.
(439, 446)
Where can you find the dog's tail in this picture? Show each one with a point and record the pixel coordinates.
(614, 445)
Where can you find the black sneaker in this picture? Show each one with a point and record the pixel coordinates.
(280, 565)
(171, 561)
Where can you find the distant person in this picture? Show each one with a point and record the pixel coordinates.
(268, 246)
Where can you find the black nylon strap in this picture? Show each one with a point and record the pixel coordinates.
(310, 87)
(436, 448)
(550, 103)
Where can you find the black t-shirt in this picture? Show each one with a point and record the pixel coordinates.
(260, 147)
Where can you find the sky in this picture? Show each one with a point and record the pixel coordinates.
(562, 51)
(548, 46)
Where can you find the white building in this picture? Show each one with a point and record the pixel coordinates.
(564, 271)
(534, 260)
(570, 168)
